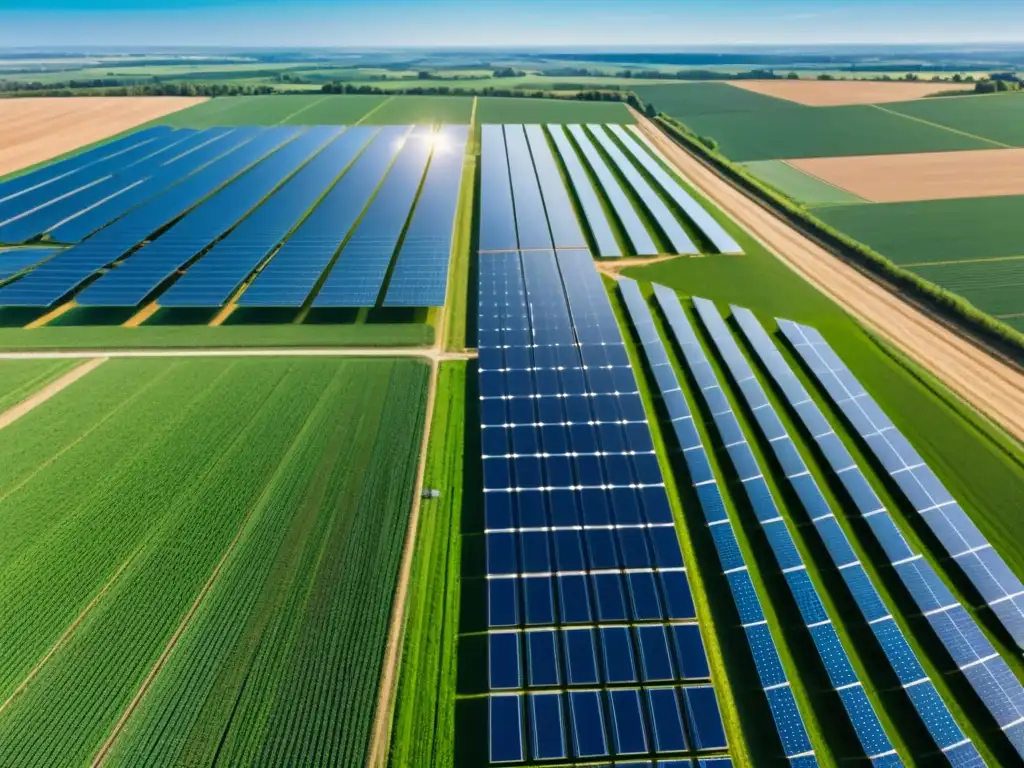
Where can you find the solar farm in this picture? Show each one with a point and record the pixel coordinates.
(622, 489)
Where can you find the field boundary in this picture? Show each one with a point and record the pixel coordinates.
(990, 259)
(15, 412)
(943, 127)
(827, 183)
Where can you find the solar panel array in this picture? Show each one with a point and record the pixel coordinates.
(934, 714)
(593, 648)
(789, 724)
(420, 277)
(18, 260)
(986, 671)
(497, 231)
(565, 228)
(959, 750)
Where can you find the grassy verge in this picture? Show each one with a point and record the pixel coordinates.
(423, 731)
(459, 284)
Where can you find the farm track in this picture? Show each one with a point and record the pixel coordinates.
(434, 353)
(14, 413)
(990, 385)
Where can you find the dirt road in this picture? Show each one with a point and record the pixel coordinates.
(993, 387)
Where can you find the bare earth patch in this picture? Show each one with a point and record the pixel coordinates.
(837, 93)
(34, 130)
(923, 176)
(11, 415)
(994, 387)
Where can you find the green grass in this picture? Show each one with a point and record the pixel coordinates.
(1015, 322)
(823, 132)
(693, 99)
(282, 485)
(423, 730)
(800, 186)
(403, 110)
(496, 109)
(999, 117)
(181, 336)
(935, 230)
(333, 110)
(20, 378)
(274, 110)
(996, 287)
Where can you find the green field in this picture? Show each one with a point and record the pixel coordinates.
(403, 110)
(799, 186)
(999, 117)
(20, 378)
(496, 109)
(935, 230)
(996, 287)
(693, 99)
(824, 132)
(274, 110)
(220, 538)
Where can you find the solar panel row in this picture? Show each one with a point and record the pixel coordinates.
(420, 277)
(665, 219)
(984, 668)
(703, 220)
(593, 211)
(130, 282)
(788, 721)
(934, 713)
(48, 283)
(998, 586)
(531, 221)
(15, 261)
(565, 229)
(105, 203)
(578, 527)
(358, 274)
(497, 230)
(845, 680)
(292, 274)
(212, 280)
(635, 231)
(595, 724)
(50, 173)
(58, 209)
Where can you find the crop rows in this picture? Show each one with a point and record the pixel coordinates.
(20, 378)
(997, 287)
(254, 466)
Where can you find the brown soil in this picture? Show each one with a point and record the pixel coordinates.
(923, 176)
(14, 413)
(34, 130)
(834, 93)
(992, 386)
(613, 267)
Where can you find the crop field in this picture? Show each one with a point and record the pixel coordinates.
(694, 99)
(496, 109)
(996, 287)
(34, 130)
(998, 118)
(276, 110)
(798, 185)
(830, 93)
(203, 554)
(20, 378)
(405, 110)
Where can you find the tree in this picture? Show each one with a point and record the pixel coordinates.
(792, 76)
(424, 75)
(651, 111)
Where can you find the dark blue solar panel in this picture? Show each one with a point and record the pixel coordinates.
(588, 724)
(629, 733)
(667, 730)
(547, 726)
(702, 218)
(676, 590)
(531, 220)
(643, 597)
(542, 658)
(505, 666)
(655, 657)
(35, 211)
(667, 222)
(293, 272)
(18, 260)
(497, 218)
(617, 655)
(610, 600)
(635, 231)
(506, 728)
(580, 657)
(788, 722)
(766, 656)
(564, 227)
(502, 602)
(539, 598)
(129, 283)
(704, 719)
(574, 599)
(691, 659)
(71, 165)
(420, 277)
(597, 220)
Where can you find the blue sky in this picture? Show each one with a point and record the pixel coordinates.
(365, 23)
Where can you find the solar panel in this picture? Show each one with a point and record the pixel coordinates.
(635, 231)
(106, 202)
(711, 229)
(506, 728)
(15, 261)
(420, 277)
(531, 219)
(565, 228)
(593, 211)
(861, 713)
(130, 282)
(291, 275)
(665, 219)
(917, 575)
(47, 284)
(356, 277)
(497, 230)
(763, 650)
(62, 168)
